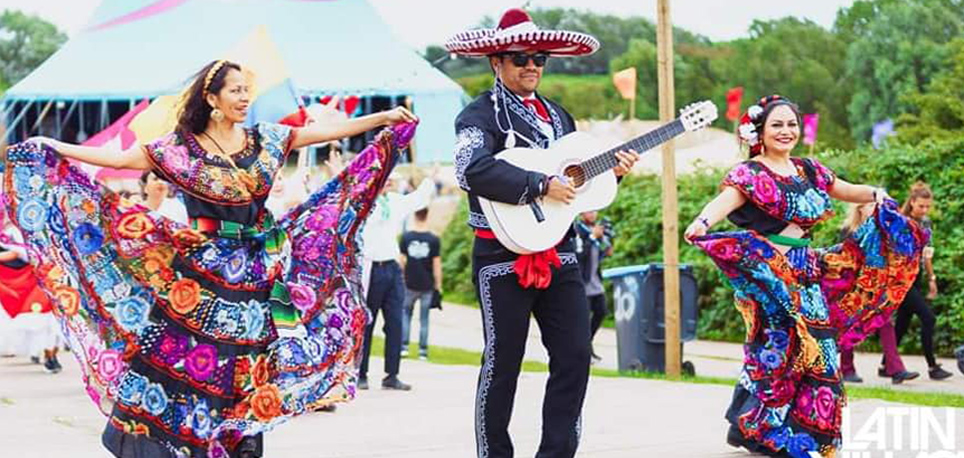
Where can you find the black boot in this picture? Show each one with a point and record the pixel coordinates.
(250, 447)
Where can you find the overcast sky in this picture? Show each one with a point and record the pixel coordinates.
(423, 22)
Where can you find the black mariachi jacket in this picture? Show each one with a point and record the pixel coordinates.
(482, 129)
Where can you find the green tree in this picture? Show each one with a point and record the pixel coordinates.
(795, 58)
(25, 42)
(938, 113)
(900, 47)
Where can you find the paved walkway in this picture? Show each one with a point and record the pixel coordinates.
(461, 327)
(45, 415)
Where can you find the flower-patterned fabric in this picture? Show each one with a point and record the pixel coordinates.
(198, 339)
(802, 306)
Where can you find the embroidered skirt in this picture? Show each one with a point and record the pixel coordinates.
(194, 340)
(800, 308)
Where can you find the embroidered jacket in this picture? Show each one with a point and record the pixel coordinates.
(483, 129)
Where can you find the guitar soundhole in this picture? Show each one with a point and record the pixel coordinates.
(576, 175)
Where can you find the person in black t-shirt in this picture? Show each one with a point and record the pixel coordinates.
(423, 274)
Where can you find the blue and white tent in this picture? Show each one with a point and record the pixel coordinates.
(136, 49)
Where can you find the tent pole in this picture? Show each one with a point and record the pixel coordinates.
(15, 123)
(60, 126)
(43, 114)
(104, 115)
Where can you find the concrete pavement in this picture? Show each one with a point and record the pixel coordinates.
(45, 415)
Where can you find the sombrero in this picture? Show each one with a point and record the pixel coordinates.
(517, 32)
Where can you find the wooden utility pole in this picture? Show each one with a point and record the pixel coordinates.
(667, 112)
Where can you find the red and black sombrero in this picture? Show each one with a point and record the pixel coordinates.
(517, 32)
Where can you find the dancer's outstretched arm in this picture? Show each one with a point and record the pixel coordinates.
(856, 193)
(321, 132)
(132, 158)
(726, 201)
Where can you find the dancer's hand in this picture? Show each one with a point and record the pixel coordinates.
(697, 228)
(45, 141)
(399, 114)
(626, 161)
(880, 195)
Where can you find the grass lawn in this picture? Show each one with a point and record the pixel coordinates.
(461, 357)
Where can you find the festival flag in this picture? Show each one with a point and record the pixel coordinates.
(734, 100)
(810, 124)
(273, 94)
(625, 82)
(882, 130)
(117, 136)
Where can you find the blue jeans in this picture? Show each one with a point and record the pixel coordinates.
(425, 301)
(386, 293)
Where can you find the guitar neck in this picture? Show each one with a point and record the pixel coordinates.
(606, 161)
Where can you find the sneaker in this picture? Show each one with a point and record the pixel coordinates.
(57, 364)
(882, 372)
(35, 359)
(393, 383)
(959, 354)
(51, 366)
(329, 408)
(404, 352)
(423, 356)
(937, 373)
(853, 378)
(901, 376)
(362, 383)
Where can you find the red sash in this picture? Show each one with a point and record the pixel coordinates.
(533, 269)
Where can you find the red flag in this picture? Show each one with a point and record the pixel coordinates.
(734, 98)
(810, 123)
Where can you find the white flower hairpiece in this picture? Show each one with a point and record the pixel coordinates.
(748, 133)
(754, 112)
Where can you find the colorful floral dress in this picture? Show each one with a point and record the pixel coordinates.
(191, 338)
(805, 305)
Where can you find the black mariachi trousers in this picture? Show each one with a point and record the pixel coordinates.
(562, 313)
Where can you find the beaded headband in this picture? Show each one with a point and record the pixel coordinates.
(213, 71)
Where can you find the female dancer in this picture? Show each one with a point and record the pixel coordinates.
(799, 304)
(198, 338)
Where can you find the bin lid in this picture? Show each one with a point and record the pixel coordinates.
(638, 269)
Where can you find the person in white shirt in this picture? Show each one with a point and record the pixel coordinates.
(156, 197)
(385, 289)
(27, 326)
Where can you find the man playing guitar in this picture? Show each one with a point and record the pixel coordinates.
(510, 287)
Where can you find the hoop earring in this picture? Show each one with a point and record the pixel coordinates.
(217, 115)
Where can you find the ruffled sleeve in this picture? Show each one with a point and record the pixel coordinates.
(823, 177)
(758, 187)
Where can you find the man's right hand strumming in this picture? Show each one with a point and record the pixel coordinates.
(560, 190)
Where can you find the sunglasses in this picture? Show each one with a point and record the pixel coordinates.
(521, 59)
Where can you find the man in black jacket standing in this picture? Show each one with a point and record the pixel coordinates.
(592, 246)
(513, 114)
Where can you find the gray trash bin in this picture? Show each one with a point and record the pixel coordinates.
(638, 308)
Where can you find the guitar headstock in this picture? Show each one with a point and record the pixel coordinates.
(698, 115)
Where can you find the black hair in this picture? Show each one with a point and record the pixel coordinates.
(196, 112)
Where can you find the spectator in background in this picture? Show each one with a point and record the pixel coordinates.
(894, 366)
(157, 197)
(27, 326)
(917, 206)
(592, 245)
(385, 290)
(422, 263)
